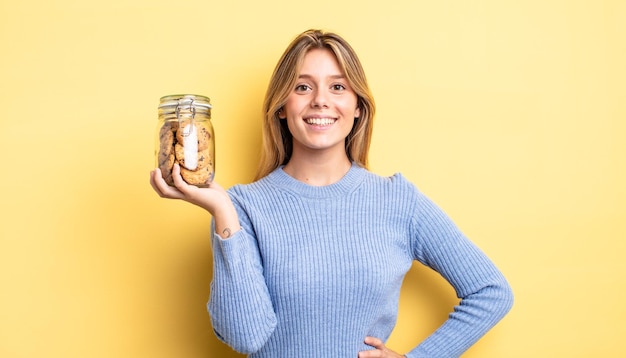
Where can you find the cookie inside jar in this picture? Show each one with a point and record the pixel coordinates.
(185, 136)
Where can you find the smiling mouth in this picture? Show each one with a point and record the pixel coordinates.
(320, 121)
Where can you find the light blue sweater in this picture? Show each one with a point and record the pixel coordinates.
(317, 269)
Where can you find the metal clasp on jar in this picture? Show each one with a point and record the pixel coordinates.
(191, 108)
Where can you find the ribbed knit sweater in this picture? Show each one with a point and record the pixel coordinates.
(316, 269)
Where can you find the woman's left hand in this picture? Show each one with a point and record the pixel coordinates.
(381, 350)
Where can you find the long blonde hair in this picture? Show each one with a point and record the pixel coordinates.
(277, 141)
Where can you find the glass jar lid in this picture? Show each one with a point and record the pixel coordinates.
(173, 104)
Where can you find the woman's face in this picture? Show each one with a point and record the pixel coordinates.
(321, 109)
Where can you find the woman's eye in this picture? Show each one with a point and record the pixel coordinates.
(302, 88)
(339, 87)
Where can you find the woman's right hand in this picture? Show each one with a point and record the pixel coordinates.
(213, 199)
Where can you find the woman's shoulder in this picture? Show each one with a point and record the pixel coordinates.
(259, 187)
(396, 180)
(390, 188)
(247, 188)
(358, 177)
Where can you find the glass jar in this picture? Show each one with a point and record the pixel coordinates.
(185, 136)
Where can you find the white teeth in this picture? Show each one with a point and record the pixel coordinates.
(320, 121)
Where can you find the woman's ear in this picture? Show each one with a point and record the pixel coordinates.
(357, 112)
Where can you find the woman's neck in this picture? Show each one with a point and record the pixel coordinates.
(318, 171)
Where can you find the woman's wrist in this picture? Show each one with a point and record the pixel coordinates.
(227, 232)
(226, 223)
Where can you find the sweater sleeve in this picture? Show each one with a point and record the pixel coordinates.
(240, 307)
(484, 292)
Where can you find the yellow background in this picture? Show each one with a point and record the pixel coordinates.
(509, 114)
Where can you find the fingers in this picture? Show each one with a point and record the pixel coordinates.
(213, 198)
(161, 187)
(155, 177)
(380, 351)
(179, 183)
(374, 342)
(374, 353)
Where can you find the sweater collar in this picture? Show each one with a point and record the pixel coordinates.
(345, 185)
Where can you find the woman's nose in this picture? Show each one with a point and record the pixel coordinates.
(320, 100)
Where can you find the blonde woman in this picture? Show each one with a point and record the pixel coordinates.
(309, 258)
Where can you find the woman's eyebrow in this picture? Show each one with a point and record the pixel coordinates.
(306, 76)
